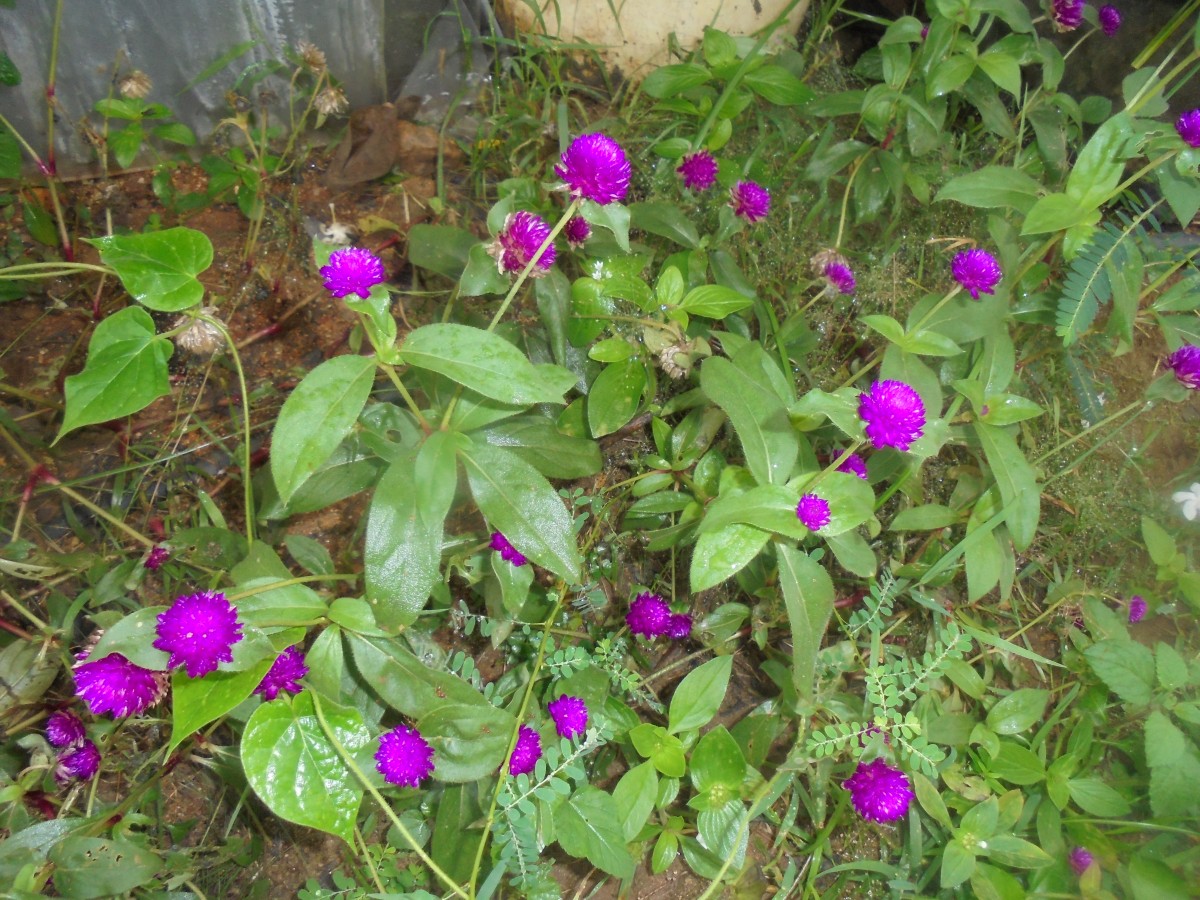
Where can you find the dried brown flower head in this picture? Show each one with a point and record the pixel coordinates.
(135, 85)
(330, 101)
(312, 56)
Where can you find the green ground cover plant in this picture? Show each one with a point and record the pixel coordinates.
(853, 430)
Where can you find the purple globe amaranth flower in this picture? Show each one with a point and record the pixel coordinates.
(79, 764)
(1080, 859)
(698, 170)
(1110, 20)
(679, 626)
(518, 242)
(577, 231)
(507, 551)
(1185, 363)
(879, 792)
(1067, 14)
(64, 729)
(526, 753)
(353, 271)
(893, 413)
(648, 616)
(156, 557)
(854, 465)
(199, 631)
(404, 757)
(840, 278)
(750, 201)
(115, 685)
(813, 512)
(570, 715)
(594, 167)
(284, 674)
(1188, 126)
(977, 271)
(1137, 609)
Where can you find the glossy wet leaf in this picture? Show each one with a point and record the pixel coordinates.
(634, 797)
(1017, 482)
(1018, 711)
(665, 220)
(588, 825)
(615, 396)
(717, 760)
(159, 268)
(197, 701)
(87, 867)
(124, 377)
(296, 771)
(538, 441)
(719, 555)
(316, 417)
(758, 416)
(808, 598)
(699, 695)
(777, 85)
(469, 740)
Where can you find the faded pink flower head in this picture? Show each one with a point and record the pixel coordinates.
(879, 792)
(115, 685)
(648, 616)
(813, 512)
(353, 271)
(156, 557)
(64, 729)
(698, 170)
(1137, 609)
(1067, 14)
(284, 675)
(577, 231)
(1081, 860)
(1188, 126)
(404, 758)
(594, 167)
(507, 551)
(518, 242)
(977, 271)
(570, 715)
(1110, 20)
(893, 414)
(199, 631)
(750, 201)
(1185, 363)
(526, 753)
(79, 764)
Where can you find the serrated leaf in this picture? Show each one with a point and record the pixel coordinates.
(159, 268)
(1125, 666)
(587, 825)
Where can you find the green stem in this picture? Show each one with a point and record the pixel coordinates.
(837, 242)
(358, 773)
(1069, 441)
(936, 308)
(104, 514)
(37, 623)
(50, 269)
(394, 377)
(570, 211)
(749, 814)
(247, 487)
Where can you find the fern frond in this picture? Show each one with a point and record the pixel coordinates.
(1087, 286)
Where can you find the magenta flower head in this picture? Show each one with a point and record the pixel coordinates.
(813, 512)
(115, 685)
(698, 170)
(594, 167)
(577, 231)
(679, 626)
(977, 271)
(879, 792)
(893, 413)
(854, 465)
(64, 729)
(1185, 363)
(79, 764)
(507, 551)
(1080, 860)
(840, 278)
(156, 557)
(523, 233)
(353, 271)
(1067, 14)
(1188, 126)
(648, 616)
(199, 631)
(1137, 609)
(570, 715)
(404, 757)
(284, 674)
(750, 201)
(526, 753)
(1110, 20)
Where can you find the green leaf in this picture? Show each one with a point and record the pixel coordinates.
(175, 133)
(615, 396)
(469, 740)
(10, 75)
(125, 143)
(666, 220)
(316, 418)
(719, 48)
(10, 155)
(119, 380)
(714, 301)
(662, 749)
(587, 825)
(758, 416)
(928, 517)
(717, 761)
(634, 797)
(1016, 765)
(486, 363)
(441, 248)
(669, 81)
(1165, 743)
(518, 501)
(1097, 170)
(539, 442)
(611, 216)
(1016, 480)
(777, 85)
(1096, 798)
(719, 555)
(808, 597)
(1057, 212)
(480, 275)
(699, 695)
(159, 268)
(197, 701)
(1159, 543)
(87, 867)
(958, 864)
(296, 771)
(949, 75)
(402, 552)
(1009, 850)
(931, 801)
(1018, 711)
(1003, 69)
(25, 673)
(1125, 666)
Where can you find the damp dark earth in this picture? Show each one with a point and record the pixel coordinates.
(756, 459)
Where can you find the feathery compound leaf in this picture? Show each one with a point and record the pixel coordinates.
(1088, 285)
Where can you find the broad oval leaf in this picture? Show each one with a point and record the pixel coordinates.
(777, 85)
(469, 740)
(615, 396)
(296, 771)
(665, 220)
(667, 81)
(588, 825)
(719, 555)
(1018, 711)
(699, 695)
(197, 701)
(486, 363)
(758, 416)
(121, 379)
(316, 417)
(87, 867)
(717, 760)
(159, 268)
(714, 301)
